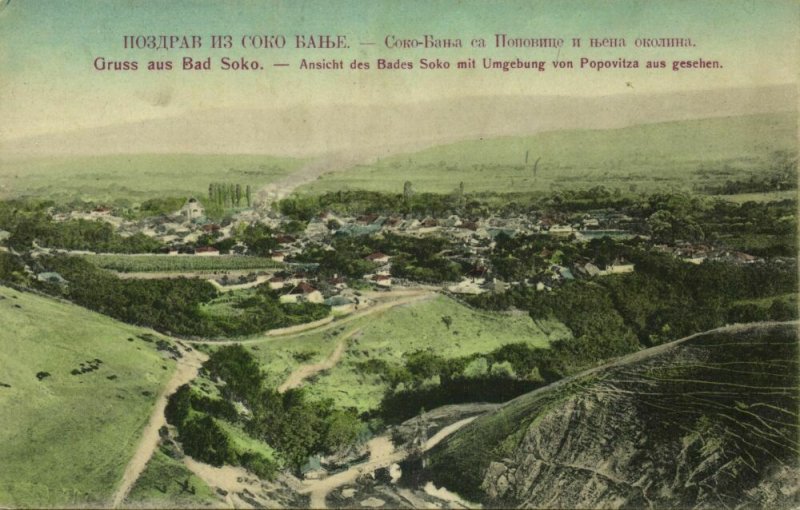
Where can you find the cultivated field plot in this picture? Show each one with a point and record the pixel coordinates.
(391, 334)
(135, 177)
(647, 157)
(72, 410)
(179, 263)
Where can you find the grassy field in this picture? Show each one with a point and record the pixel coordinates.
(391, 334)
(654, 156)
(161, 485)
(65, 439)
(179, 263)
(135, 177)
(740, 198)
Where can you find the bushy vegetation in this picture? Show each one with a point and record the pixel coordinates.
(28, 221)
(170, 305)
(664, 299)
(412, 258)
(291, 424)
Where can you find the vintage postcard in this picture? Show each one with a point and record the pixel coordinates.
(399, 254)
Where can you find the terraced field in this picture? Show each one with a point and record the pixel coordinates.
(179, 263)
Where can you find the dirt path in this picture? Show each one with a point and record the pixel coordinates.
(186, 370)
(315, 168)
(382, 454)
(385, 301)
(303, 372)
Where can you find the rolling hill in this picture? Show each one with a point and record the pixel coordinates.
(660, 155)
(706, 422)
(76, 390)
(134, 177)
(388, 336)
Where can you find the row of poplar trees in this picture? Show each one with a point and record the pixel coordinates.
(229, 194)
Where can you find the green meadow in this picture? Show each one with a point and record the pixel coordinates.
(134, 178)
(66, 438)
(389, 336)
(665, 155)
(167, 483)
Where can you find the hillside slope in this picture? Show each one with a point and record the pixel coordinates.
(76, 390)
(706, 422)
(679, 153)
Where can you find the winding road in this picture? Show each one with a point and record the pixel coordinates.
(382, 455)
(303, 372)
(188, 365)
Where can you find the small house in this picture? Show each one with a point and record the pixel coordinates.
(382, 280)
(192, 210)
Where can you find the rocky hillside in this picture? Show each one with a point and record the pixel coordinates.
(706, 422)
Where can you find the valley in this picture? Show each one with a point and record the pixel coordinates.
(575, 318)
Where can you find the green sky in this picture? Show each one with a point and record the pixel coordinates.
(47, 82)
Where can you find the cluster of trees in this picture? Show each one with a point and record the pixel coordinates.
(419, 260)
(664, 299)
(172, 306)
(419, 205)
(781, 175)
(426, 380)
(12, 269)
(291, 424)
(412, 258)
(259, 239)
(346, 259)
(160, 206)
(197, 417)
(229, 194)
(29, 221)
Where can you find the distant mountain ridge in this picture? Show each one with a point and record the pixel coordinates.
(385, 129)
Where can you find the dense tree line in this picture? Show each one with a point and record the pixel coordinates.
(173, 305)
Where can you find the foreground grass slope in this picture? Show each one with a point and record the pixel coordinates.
(168, 483)
(389, 336)
(135, 177)
(66, 438)
(709, 422)
(653, 156)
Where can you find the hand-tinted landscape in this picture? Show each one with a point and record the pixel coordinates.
(574, 314)
(379, 284)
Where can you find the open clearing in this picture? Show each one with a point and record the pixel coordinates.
(650, 156)
(389, 334)
(66, 439)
